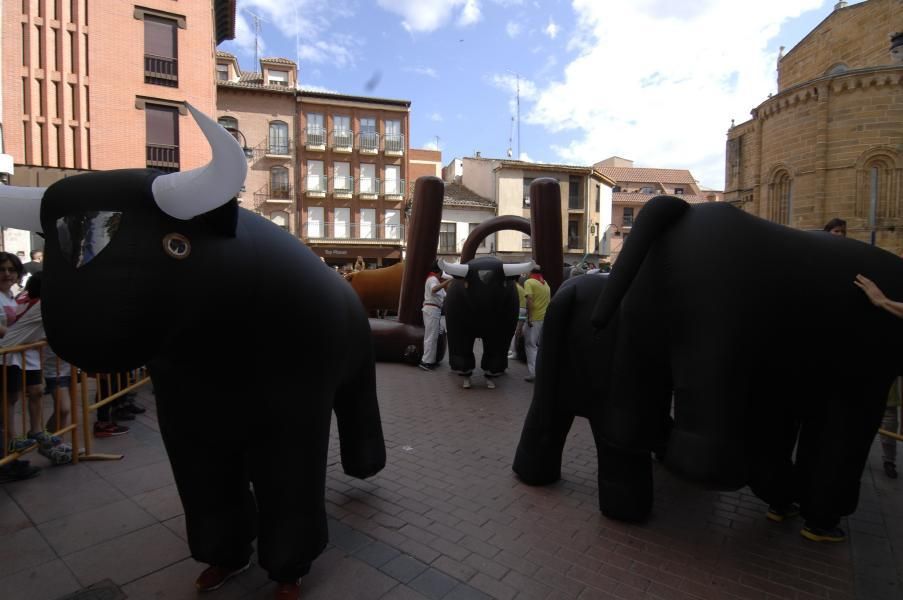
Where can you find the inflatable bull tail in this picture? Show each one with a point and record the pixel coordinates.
(657, 216)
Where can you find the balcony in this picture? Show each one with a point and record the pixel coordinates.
(315, 186)
(393, 189)
(368, 188)
(279, 193)
(162, 157)
(575, 242)
(342, 141)
(160, 70)
(368, 142)
(315, 139)
(278, 148)
(393, 144)
(352, 233)
(342, 186)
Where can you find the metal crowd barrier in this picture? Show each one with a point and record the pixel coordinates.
(81, 404)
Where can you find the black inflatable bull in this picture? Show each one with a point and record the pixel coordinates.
(760, 334)
(251, 343)
(481, 303)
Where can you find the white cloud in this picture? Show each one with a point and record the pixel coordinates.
(436, 117)
(430, 145)
(428, 15)
(317, 88)
(526, 157)
(551, 29)
(426, 71)
(662, 98)
(512, 29)
(302, 20)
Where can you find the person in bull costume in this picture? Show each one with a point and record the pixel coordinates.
(117, 244)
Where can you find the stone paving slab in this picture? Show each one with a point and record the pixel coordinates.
(447, 519)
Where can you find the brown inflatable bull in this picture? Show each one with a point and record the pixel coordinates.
(378, 289)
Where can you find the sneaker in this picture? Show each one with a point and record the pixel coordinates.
(104, 429)
(214, 577)
(287, 591)
(467, 384)
(57, 455)
(780, 512)
(490, 384)
(512, 355)
(20, 444)
(530, 378)
(132, 407)
(123, 414)
(425, 366)
(45, 439)
(18, 470)
(890, 469)
(828, 534)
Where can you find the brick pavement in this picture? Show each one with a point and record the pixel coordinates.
(446, 519)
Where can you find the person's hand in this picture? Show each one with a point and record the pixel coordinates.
(874, 293)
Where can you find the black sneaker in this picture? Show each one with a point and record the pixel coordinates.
(122, 414)
(425, 366)
(18, 470)
(827, 534)
(890, 469)
(132, 407)
(781, 512)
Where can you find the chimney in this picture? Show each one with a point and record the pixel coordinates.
(478, 154)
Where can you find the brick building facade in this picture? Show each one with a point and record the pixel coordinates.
(830, 142)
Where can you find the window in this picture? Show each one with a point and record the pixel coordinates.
(40, 83)
(598, 198)
(617, 188)
(368, 223)
(222, 72)
(392, 185)
(470, 231)
(73, 55)
(678, 191)
(85, 63)
(342, 181)
(278, 140)
(342, 222)
(526, 242)
(160, 51)
(55, 100)
(394, 139)
(39, 146)
(316, 134)
(162, 133)
(647, 190)
(55, 51)
(279, 184)
(627, 217)
(574, 235)
(39, 31)
(527, 182)
(448, 239)
(314, 221)
(368, 184)
(575, 199)
(316, 182)
(230, 124)
(342, 137)
(60, 149)
(24, 44)
(87, 104)
(71, 100)
(781, 197)
(73, 145)
(369, 138)
(393, 224)
(278, 78)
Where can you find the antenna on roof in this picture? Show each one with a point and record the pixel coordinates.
(510, 137)
(257, 20)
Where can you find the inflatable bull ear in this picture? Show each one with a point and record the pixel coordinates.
(187, 194)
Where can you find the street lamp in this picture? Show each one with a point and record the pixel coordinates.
(249, 152)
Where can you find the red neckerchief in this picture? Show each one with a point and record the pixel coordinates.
(432, 274)
(537, 277)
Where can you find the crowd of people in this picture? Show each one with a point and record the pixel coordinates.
(43, 373)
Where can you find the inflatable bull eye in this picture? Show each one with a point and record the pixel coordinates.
(83, 236)
(176, 245)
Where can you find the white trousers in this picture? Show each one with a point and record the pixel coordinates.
(432, 318)
(532, 339)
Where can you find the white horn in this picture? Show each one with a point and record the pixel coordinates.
(188, 194)
(515, 269)
(20, 207)
(454, 269)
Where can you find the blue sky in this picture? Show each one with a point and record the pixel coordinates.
(655, 81)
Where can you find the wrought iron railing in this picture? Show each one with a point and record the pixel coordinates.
(279, 146)
(315, 183)
(393, 187)
(349, 231)
(368, 185)
(394, 143)
(368, 141)
(342, 139)
(342, 184)
(315, 136)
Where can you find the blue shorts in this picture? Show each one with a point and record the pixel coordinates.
(55, 382)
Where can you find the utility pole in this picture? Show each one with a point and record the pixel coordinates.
(257, 20)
